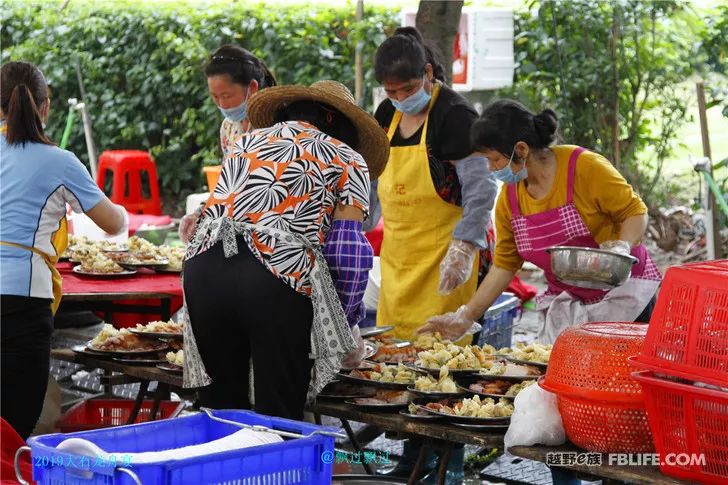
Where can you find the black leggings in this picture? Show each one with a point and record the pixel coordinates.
(27, 324)
(238, 309)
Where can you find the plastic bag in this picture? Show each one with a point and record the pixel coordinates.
(535, 420)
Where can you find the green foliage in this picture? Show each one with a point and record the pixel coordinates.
(714, 45)
(613, 72)
(143, 66)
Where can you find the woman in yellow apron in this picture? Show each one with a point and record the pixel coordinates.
(435, 195)
(38, 179)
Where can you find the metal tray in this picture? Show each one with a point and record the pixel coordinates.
(540, 365)
(466, 419)
(421, 417)
(140, 360)
(382, 385)
(166, 335)
(160, 347)
(80, 271)
(372, 331)
(375, 407)
(177, 369)
(434, 395)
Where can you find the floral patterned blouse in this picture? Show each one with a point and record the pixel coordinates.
(290, 177)
(230, 131)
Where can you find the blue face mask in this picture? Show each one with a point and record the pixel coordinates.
(413, 104)
(506, 174)
(237, 113)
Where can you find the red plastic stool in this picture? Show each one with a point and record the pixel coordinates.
(132, 171)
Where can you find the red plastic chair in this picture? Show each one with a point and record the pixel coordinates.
(134, 180)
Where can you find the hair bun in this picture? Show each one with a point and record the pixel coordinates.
(546, 124)
(410, 32)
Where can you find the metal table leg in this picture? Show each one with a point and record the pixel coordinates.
(161, 392)
(355, 444)
(143, 386)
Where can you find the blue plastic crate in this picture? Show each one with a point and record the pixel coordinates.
(498, 321)
(294, 461)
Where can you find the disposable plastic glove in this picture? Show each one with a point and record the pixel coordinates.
(353, 359)
(457, 266)
(617, 246)
(452, 326)
(187, 226)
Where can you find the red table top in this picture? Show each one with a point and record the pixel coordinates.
(145, 281)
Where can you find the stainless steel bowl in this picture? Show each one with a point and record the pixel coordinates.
(590, 268)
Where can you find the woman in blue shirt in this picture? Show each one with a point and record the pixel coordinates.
(38, 179)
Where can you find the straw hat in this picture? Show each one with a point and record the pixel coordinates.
(373, 144)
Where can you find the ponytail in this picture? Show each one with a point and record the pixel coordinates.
(241, 65)
(23, 90)
(404, 56)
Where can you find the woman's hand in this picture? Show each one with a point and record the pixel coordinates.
(453, 325)
(457, 266)
(617, 246)
(187, 226)
(353, 359)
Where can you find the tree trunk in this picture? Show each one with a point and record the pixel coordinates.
(438, 21)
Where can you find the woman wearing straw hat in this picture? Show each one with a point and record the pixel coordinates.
(284, 220)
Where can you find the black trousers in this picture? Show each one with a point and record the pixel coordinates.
(238, 309)
(27, 324)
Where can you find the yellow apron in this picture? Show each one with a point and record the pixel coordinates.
(418, 227)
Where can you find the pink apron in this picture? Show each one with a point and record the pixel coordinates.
(563, 226)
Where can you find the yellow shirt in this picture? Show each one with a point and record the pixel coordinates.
(601, 195)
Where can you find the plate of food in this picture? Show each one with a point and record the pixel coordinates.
(160, 329)
(339, 390)
(442, 387)
(472, 410)
(382, 400)
(122, 342)
(374, 331)
(510, 371)
(535, 353)
(175, 256)
(134, 260)
(496, 389)
(175, 361)
(414, 411)
(83, 349)
(395, 352)
(382, 375)
(458, 360)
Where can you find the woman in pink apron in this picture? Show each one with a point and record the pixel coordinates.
(555, 195)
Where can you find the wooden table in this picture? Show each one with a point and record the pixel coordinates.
(638, 475)
(439, 437)
(130, 373)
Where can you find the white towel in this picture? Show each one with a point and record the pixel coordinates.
(245, 438)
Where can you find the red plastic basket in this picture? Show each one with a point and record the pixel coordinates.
(103, 413)
(590, 360)
(688, 419)
(688, 333)
(601, 406)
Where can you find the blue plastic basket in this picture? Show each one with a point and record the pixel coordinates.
(294, 461)
(498, 321)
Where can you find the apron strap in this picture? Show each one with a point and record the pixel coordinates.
(572, 171)
(51, 263)
(513, 199)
